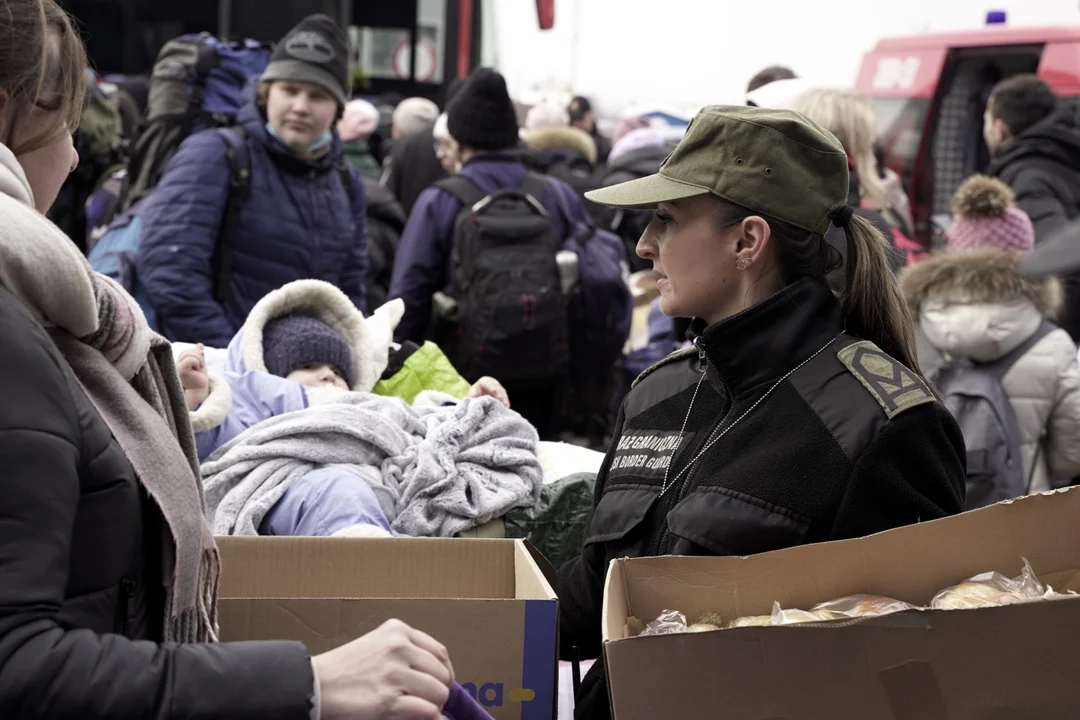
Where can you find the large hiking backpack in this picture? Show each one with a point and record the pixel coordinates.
(506, 314)
(975, 396)
(198, 82)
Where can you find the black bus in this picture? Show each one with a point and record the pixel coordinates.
(412, 47)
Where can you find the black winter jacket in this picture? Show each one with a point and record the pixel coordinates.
(1042, 166)
(413, 168)
(80, 571)
(385, 223)
(848, 444)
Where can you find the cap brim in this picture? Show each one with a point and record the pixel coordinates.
(1058, 255)
(645, 193)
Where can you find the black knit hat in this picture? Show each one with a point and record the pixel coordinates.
(292, 341)
(481, 115)
(315, 51)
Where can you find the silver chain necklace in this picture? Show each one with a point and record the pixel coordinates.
(668, 484)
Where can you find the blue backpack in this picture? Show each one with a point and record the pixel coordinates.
(198, 82)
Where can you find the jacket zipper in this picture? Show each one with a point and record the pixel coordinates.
(681, 489)
(127, 599)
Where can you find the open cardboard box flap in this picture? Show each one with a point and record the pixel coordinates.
(990, 664)
(488, 601)
(295, 567)
(911, 564)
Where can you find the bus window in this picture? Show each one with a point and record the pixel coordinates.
(384, 53)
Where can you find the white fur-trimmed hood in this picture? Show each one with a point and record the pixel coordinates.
(328, 304)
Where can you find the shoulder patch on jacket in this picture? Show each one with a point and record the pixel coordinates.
(894, 386)
(673, 357)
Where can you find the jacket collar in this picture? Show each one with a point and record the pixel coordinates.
(499, 156)
(765, 342)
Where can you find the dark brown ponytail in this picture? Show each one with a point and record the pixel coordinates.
(875, 307)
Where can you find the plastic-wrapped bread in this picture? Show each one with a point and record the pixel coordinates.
(750, 621)
(993, 590)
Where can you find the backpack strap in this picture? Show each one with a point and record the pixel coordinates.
(463, 189)
(239, 190)
(535, 185)
(345, 171)
(998, 368)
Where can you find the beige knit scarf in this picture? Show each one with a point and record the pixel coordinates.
(128, 373)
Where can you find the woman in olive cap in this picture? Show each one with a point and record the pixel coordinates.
(798, 416)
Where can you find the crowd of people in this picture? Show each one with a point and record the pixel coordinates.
(328, 273)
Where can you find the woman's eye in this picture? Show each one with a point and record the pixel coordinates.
(663, 217)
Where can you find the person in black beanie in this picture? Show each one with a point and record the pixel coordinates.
(304, 218)
(482, 122)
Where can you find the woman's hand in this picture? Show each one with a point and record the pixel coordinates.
(393, 673)
(191, 366)
(489, 387)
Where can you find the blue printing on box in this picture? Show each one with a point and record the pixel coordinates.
(538, 666)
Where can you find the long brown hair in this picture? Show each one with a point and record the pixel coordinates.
(34, 75)
(871, 298)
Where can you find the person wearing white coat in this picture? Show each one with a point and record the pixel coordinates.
(971, 302)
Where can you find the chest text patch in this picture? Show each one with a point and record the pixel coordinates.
(644, 453)
(894, 386)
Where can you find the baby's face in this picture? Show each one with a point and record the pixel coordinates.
(317, 375)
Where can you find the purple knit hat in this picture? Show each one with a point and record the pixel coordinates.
(985, 215)
(292, 341)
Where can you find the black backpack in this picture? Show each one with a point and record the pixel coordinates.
(504, 313)
(973, 393)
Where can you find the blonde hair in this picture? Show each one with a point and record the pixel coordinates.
(851, 118)
(35, 76)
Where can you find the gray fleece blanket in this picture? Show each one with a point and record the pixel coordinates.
(436, 471)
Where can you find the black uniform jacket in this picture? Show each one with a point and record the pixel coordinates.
(848, 442)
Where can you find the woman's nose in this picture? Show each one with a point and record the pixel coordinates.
(646, 248)
(74, 160)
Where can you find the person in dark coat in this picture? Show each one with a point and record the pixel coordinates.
(304, 217)
(386, 221)
(703, 460)
(639, 153)
(1035, 145)
(482, 121)
(108, 571)
(413, 167)
(583, 118)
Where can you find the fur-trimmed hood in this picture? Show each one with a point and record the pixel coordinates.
(978, 276)
(563, 138)
(369, 339)
(975, 303)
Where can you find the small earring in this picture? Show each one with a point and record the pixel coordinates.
(742, 263)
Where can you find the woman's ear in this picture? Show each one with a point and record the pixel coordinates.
(753, 239)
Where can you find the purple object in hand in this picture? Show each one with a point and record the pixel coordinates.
(461, 706)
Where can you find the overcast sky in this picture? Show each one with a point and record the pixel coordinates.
(694, 52)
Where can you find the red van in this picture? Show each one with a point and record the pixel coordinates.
(930, 92)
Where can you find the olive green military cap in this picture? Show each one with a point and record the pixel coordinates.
(774, 162)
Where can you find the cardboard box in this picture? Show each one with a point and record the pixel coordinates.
(989, 664)
(486, 600)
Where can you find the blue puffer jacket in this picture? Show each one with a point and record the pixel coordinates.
(422, 263)
(299, 222)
